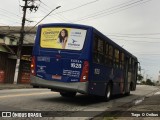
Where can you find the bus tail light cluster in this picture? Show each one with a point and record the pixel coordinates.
(85, 72)
(33, 66)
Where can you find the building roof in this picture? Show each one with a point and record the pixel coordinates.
(13, 32)
(16, 29)
(4, 48)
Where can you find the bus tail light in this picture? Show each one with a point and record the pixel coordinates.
(85, 72)
(33, 66)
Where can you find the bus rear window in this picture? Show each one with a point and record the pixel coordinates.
(62, 38)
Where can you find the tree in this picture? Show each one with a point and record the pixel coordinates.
(149, 82)
(143, 83)
(139, 77)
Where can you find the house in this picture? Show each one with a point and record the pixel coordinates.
(9, 37)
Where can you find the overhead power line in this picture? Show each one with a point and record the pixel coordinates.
(134, 34)
(105, 10)
(148, 54)
(60, 17)
(59, 14)
(11, 21)
(44, 4)
(71, 9)
(76, 7)
(112, 10)
(7, 16)
(11, 13)
(43, 18)
(47, 8)
(135, 37)
(128, 40)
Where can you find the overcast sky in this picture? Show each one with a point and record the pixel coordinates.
(133, 24)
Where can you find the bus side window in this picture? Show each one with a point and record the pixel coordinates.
(106, 53)
(100, 46)
(130, 64)
(133, 65)
(116, 58)
(95, 44)
(98, 54)
(121, 60)
(95, 51)
(110, 55)
(101, 51)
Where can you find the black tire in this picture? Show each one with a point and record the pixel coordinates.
(128, 93)
(108, 92)
(35, 86)
(68, 94)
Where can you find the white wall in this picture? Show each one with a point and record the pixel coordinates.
(1, 40)
(7, 40)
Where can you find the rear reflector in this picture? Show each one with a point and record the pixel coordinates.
(85, 72)
(33, 66)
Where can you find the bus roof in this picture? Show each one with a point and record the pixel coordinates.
(67, 25)
(80, 26)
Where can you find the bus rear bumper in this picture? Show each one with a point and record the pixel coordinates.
(81, 87)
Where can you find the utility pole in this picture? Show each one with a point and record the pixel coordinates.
(22, 32)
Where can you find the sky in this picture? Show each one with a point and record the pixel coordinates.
(133, 24)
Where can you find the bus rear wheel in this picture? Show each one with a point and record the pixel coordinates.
(35, 86)
(128, 93)
(68, 94)
(108, 93)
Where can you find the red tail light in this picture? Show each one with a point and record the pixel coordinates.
(33, 66)
(85, 72)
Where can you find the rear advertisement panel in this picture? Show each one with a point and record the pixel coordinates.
(62, 38)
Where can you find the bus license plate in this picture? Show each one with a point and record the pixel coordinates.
(58, 77)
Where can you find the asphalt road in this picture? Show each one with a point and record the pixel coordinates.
(45, 100)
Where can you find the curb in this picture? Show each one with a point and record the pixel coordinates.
(14, 86)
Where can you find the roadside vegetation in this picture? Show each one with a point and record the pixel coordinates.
(141, 81)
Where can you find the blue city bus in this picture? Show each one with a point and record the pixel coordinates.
(71, 58)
